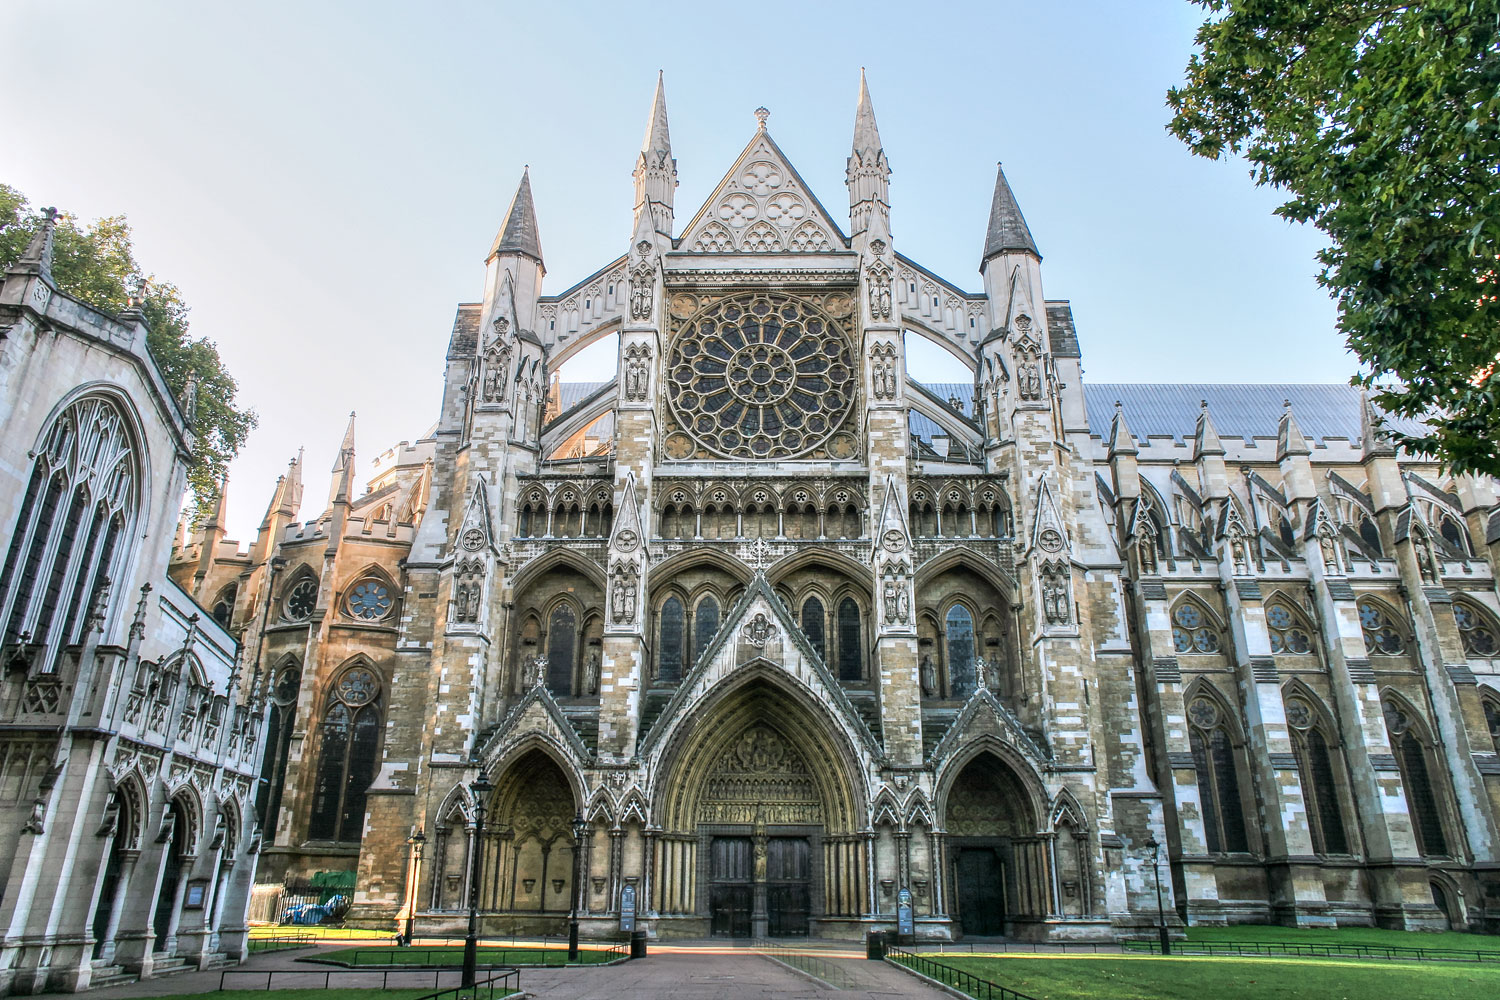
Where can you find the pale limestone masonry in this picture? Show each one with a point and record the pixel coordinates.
(789, 634)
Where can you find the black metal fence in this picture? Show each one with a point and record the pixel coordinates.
(388, 979)
(974, 986)
(281, 942)
(485, 989)
(806, 961)
(1321, 949)
(433, 955)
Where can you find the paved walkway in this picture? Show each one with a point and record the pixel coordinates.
(682, 972)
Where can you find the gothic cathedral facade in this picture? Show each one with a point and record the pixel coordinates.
(764, 636)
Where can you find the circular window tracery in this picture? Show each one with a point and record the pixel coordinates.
(301, 600)
(357, 686)
(761, 376)
(370, 600)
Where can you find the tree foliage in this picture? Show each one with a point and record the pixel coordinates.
(1382, 121)
(96, 264)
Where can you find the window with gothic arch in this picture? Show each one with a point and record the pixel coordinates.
(72, 533)
(1412, 751)
(1476, 629)
(1192, 630)
(1289, 634)
(1315, 763)
(1382, 637)
(369, 600)
(348, 752)
(300, 598)
(1492, 719)
(958, 627)
(279, 725)
(1216, 758)
(671, 641)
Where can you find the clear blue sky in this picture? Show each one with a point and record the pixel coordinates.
(323, 180)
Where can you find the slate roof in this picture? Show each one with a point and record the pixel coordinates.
(1008, 229)
(519, 232)
(464, 341)
(1246, 411)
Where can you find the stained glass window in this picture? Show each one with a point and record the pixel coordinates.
(1381, 637)
(671, 641)
(851, 658)
(705, 626)
(562, 649)
(1319, 789)
(1287, 632)
(1416, 781)
(1191, 631)
(1476, 631)
(370, 599)
(1218, 779)
(960, 629)
(300, 600)
(349, 739)
(813, 626)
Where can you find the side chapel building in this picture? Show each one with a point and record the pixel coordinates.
(792, 633)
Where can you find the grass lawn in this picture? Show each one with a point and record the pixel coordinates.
(1088, 978)
(419, 955)
(1348, 935)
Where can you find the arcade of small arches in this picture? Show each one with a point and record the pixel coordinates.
(759, 823)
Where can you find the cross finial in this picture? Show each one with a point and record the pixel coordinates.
(761, 114)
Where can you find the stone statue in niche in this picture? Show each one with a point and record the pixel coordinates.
(1145, 547)
(471, 609)
(883, 371)
(1330, 550)
(622, 596)
(1029, 380)
(461, 601)
(1426, 561)
(637, 372)
(642, 283)
(981, 674)
(591, 674)
(538, 671)
(878, 280)
(927, 674)
(1056, 606)
(896, 601)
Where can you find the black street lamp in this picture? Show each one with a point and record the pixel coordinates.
(480, 788)
(416, 840)
(580, 827)
(1161, 916)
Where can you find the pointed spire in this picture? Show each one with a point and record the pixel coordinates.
(1372, 438)
(1008, 231)
(1121, 441)
(1289, 439)
(1206, 437)
(219, 519)
(340, 490)
(656, 170)
(867, 173)
(519, 232)
(38, 256)
(866, 132)
(291, 501)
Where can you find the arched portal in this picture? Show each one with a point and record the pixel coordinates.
(998, 864)
(758, 817)
(527, 864)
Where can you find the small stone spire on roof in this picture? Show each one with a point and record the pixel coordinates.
(762, 113)
(1372, 439)
(866, 132)
(341, 489)
(867, 174)
(1121, 441)
(658, 137)
(1289, 437)
(1008, 231)
(37, 258)
(655, 169)
(218, 520)
(1206, 437)
(519, 232)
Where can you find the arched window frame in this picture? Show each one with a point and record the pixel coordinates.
(1291, 631)
(700, 630)
(343, 777)
(1449, 532)
(1421, 776)
(818, 637)
(550, 623)
(666, 672)
(358, 596)
(1317, 747)
(1386, 632)
(222, 609)
(849, 636)
(1477, 629)
(952, 682)
(80, 512)
(285, 687)
(1196, 629)
(1218, 749)
(1490, 699)
(295, 595)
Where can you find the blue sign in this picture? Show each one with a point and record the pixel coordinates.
(904, 925)
(627, 908)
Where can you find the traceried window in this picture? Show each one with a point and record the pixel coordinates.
(1416, 780)
(851, 653)
(763, 376)
(300, 599)
(1492, 718)
(562, 649)
(1214, 756)
(959, 625)
(1381, 636)
(223, 609)
(813, 626)
(671, 641)
(278, 746)
(1288, 634)
(1191, 630)
(705, 626)
(73, 524)
(370, 600)
(349, 740)
(1319, 787)
(1476, 630)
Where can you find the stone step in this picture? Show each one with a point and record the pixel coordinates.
(110, 975)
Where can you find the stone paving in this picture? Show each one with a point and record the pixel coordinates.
(682, 972)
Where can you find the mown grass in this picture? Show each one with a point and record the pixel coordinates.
(419, 955)
(1375, 936)
(1195, 978)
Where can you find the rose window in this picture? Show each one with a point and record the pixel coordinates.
(357, 686)
(761, 376)
(301, 600)
(370, 600)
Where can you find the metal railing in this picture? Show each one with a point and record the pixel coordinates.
(1026, 947)
(967, 982)
(1317, 949)
(390, 979)
(484, 989)
(805, 961)
(280, 942)
(433, 955)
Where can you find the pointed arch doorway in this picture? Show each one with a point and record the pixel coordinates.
(758, 837)
(998, 865)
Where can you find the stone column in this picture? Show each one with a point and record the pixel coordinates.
(128, 859)
(174, 919)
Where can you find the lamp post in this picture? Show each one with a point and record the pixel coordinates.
(1161, 916)
(580, 827)
(480, 788)
(416, 840)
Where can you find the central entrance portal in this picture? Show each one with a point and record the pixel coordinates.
(981, 891)
(783, 882)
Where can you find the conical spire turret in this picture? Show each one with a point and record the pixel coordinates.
(341, 490)
(868, 173)
(37, 259)
(656, 170)
(1121, 441)
(519, 232)
(1289, 437)
(1206, 435)
(1008, 232)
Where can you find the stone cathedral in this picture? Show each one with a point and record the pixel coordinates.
(764, 636)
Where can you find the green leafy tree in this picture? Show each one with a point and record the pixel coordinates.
(97, 265)
(1381, 120)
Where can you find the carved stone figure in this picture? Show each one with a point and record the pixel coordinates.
(622, 596)
(883, 371)
(642, 283)
(1145, 548)
(591, 674)
(927, 674)
(637, 372)
(1422, 549)
(1330, 549)
(981, 674)
(1029, 380)
(878, 280)
(1056, 606)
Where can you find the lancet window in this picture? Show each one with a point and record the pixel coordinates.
(1216, 758)
(1412, 750)
(1311, 745)
(671, 641)
(814, 627)
(959, 631)
(73, 526)
(562, 648)
(705, 625)
(279, 725)
(1492, 719)
(349, 743)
